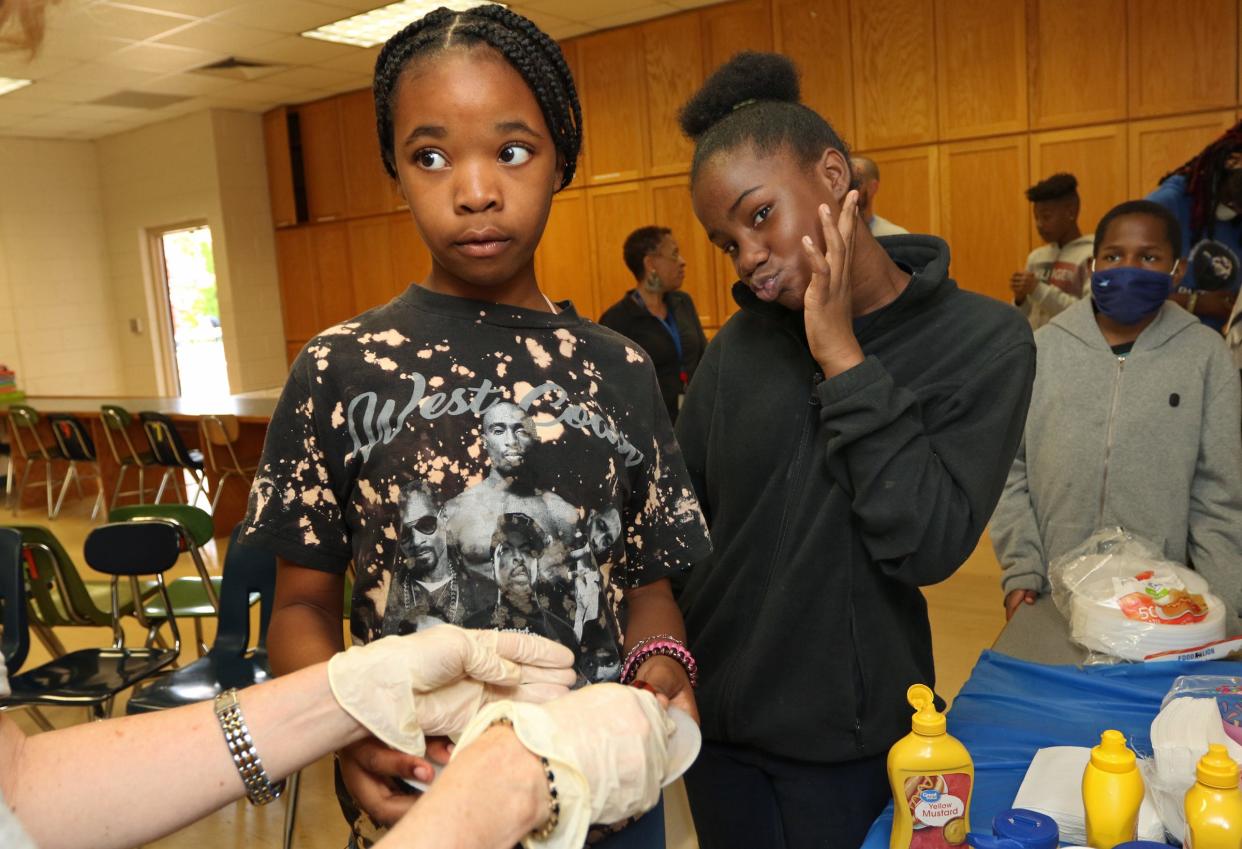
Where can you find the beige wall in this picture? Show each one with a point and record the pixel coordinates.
(254, 339)
(57, 326)
(206, 167)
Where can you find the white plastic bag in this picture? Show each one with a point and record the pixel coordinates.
(1124, 601)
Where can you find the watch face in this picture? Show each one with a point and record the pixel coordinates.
(1213, 266)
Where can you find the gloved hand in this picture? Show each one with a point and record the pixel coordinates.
(434, 681)
(607, 746)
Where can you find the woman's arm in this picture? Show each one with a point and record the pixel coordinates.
(66, 789)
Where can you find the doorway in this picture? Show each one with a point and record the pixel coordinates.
(189, 272)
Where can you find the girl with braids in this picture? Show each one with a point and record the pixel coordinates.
(475, 389)
(848, 433)
(1205, 195)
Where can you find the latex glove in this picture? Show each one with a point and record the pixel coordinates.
(607, 746)
(432, 682)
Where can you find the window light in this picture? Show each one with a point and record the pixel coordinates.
(8, 84)
(378, 25)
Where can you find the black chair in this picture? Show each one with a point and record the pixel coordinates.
(14, 638)
(230, 662)
(92, 678)
(75, 443)
(171, 452)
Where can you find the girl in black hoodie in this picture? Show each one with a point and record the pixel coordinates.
(848, 434)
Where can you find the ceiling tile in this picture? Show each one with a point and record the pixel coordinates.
(577, 10)
(546, 21)
(187, 84)
(81, 44)
(93, 72)
(318, 78)
(196, 8)
(296, 50)
(16, 65)
(160, 58)
(569, 30)
(116, 21)
(256, 92)
(288, 16)
(12, 110)
(361, 61)
(52, 91)
(94, 114)
(230, 40)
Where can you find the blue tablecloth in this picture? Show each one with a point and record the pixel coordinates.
(1010, 708)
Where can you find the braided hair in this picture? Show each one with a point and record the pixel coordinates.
(754, 99)
(1205, 180)
(530, 51)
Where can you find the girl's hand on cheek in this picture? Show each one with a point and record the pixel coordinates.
(828, 303)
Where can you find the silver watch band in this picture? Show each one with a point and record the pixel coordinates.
(259, 788)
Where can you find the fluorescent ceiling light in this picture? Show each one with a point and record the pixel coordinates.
(378, 25)
(8, 84)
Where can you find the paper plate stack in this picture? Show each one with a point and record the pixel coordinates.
(1099, 621)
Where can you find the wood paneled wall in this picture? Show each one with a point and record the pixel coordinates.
(962, 103)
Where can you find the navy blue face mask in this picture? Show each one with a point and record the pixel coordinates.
(1128, 295)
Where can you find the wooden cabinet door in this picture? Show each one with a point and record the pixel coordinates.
(894, 75)
(321, 159)
(981, 67)
(1162, 144)
(370, 263)
(816, 35)
(279, 167)
(368, 191)
(1096, 156)
(671, 207)
(335, 293)
(615, 212)
(674, 61)
(909, 187)
(411, 261)
(612, 91)
(1076, 54)
(984, 212)
(299, 282)
(564, 255)
(1183, 57)
(733, 27)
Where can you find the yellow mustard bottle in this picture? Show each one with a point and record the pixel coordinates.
(932, 777)
(1214, 803)
(1112, 791)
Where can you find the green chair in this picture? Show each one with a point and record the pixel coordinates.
(24, 433)
(58, 596)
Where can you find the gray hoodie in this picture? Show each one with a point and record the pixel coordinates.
(1152, 443)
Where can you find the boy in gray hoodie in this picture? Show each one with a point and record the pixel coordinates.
(1135, 420)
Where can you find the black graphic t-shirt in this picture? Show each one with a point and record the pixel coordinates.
(483, 465)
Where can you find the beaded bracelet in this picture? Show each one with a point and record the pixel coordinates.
(665, 646)
(554, 805)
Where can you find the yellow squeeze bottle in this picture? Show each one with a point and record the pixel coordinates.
(1214, 803)
(1112, 791)
(932, 777)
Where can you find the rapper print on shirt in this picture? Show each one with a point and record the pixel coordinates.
(484, 466)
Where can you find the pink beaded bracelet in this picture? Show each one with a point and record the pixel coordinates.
(665, 646)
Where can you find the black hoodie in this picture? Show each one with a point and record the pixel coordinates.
(831, 502)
